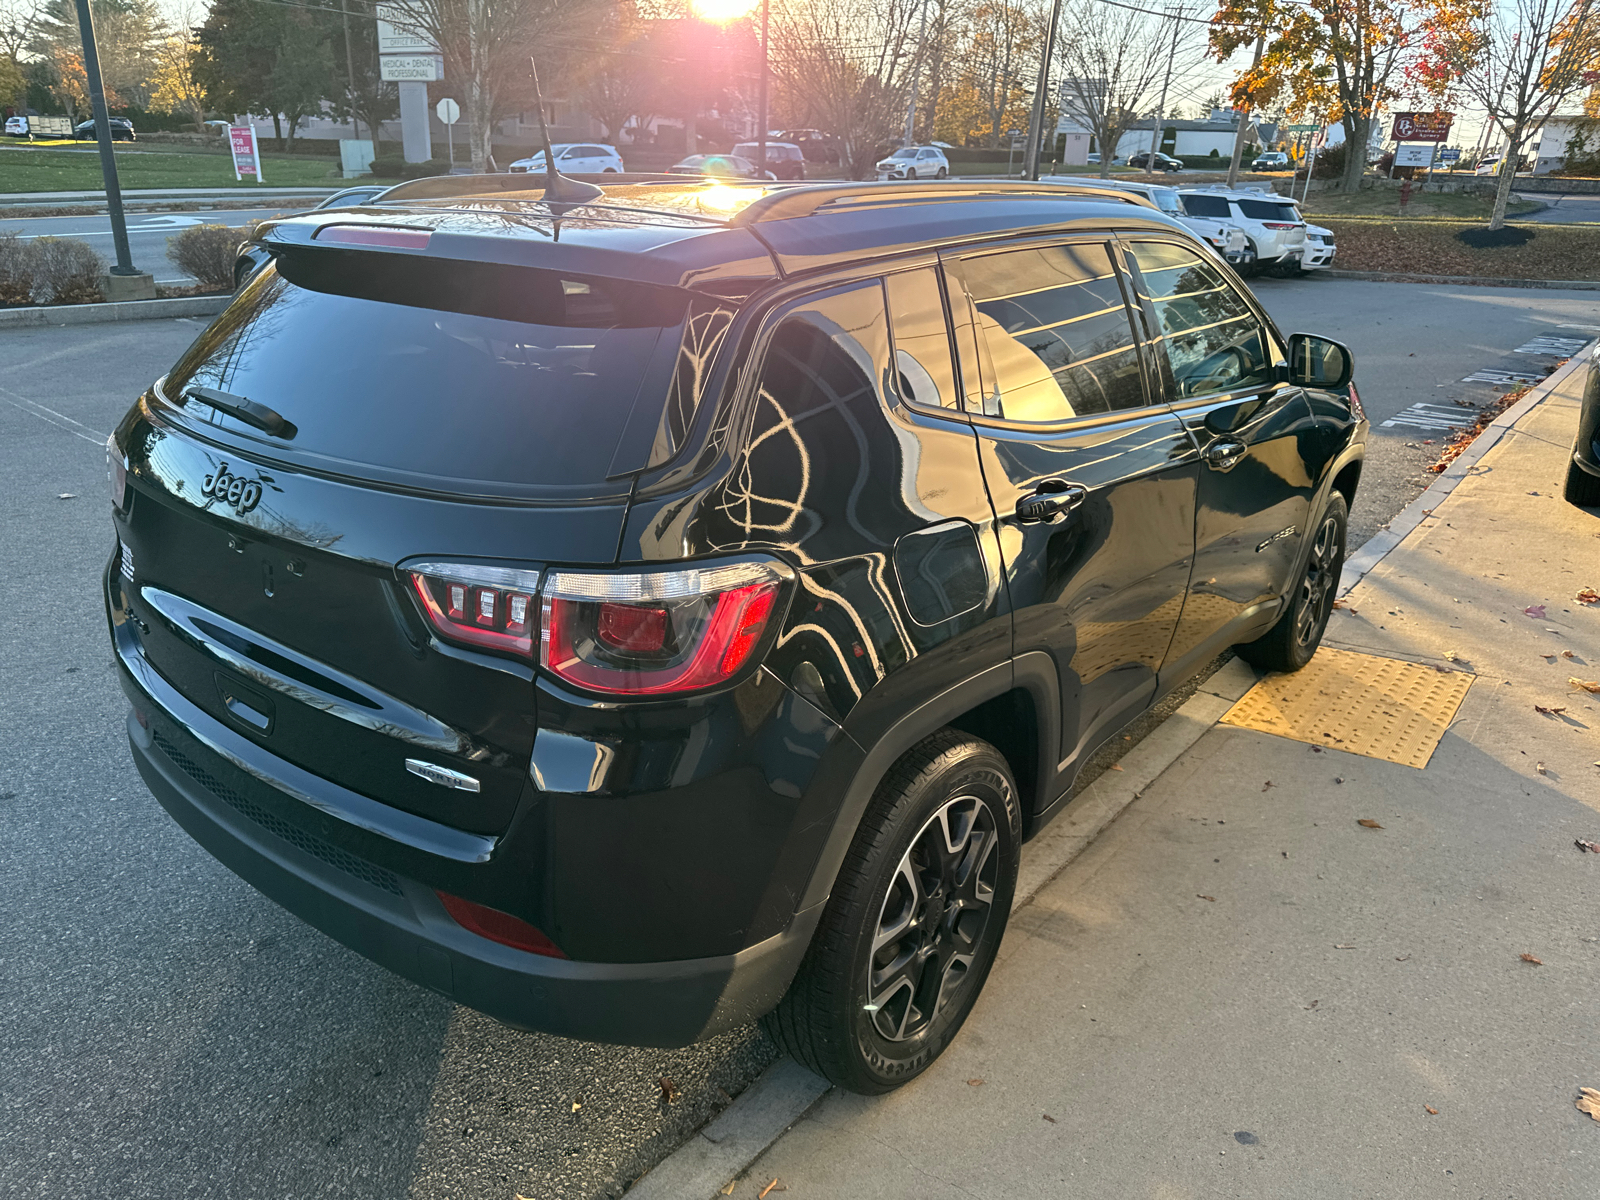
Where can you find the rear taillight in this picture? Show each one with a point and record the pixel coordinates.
(657, 632)
(479, 605)
(1281, 225)
(497, 926)
(116, 471)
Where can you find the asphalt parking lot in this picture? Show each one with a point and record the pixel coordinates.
(169, 1033)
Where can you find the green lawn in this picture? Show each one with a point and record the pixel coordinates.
(35, 170)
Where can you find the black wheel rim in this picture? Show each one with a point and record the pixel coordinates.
(1317, 587)
(931, 927)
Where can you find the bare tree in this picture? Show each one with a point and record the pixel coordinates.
(1003, 56)
(17, 19)
(1522, 60)
(845, 66)
(1111, 62)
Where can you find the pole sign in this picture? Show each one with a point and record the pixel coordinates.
(1421, 127)
(400, 31)
(1414, 155)
(449, 111)
(246, 152)
(410, 68)
(1450, 155)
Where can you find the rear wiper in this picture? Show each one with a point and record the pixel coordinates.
(269, 420)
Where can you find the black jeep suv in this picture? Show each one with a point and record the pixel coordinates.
(635, 618)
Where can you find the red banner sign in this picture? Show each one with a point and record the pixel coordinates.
(246, 153)
(1421, 127)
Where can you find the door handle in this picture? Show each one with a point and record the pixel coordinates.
(1050, 501)
(1224, 454)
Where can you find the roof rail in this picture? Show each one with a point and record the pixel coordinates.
(780, 204)
(447, 187)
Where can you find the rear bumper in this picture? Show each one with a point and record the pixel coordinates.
(196, 772)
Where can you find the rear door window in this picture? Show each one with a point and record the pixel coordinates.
(1206, 206)
(441, 371)
(1057, 332)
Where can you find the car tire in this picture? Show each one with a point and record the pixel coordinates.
(940, 173)
(1582, 488)
(917, 914)
(609, 171)
(1289, 644)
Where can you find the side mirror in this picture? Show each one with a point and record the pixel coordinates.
(1319, 362)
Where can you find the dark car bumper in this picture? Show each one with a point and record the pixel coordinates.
(196, 769)
(1586, 446)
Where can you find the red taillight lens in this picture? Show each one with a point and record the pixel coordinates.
(116, 471)
(657, 633)
(1280, 225)
(497, 926)
(479, 605)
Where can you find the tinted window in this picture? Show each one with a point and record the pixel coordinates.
(1212, 339)
(1206, 206)
(921, 339)
(413, 374)
(1057, 332)
(1268, 210)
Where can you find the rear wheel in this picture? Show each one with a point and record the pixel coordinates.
(1289, 644)
(941, 173)
(1583, 489)
(915, 919)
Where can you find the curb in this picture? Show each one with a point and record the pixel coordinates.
(1361, 563)
(786, 1091)
(121, 310)
(1581, 285)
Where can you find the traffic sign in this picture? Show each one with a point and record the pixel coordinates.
(449, 111)
(1299, 128)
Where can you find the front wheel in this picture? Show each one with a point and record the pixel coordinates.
(1289, 644)
(914, 921)
(1582, 488)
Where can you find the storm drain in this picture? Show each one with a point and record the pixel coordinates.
(1380, 707)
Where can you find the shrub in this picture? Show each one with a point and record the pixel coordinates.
(64, 271)
(394, 166)
(207, 252)
(16, 273)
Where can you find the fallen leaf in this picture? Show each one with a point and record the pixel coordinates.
(974, 1083)
(67, 496)
(1567, 654)
(1313, 1004)
(1592, 686)
(1588, 596)
(1266, 785)
(770, 1188)
(669, 1090)
(1048, 1117)
(1452, 656)
(1528, 958)
(1432, 1112)
(576, 1105)
(1589, 1102)
(1539, 767)
(1368, 823)
(1116, 766)
(1549, 712)
(1338, 778)
(1586, 846)
(1536, 611)
(728, 1191)
(1198, 896)
(1402, 958)
(1344, 945)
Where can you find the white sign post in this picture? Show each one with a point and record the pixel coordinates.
(449, 112)
(407, 56)
(246, 152)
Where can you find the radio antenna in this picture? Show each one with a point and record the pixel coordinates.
(558, 189)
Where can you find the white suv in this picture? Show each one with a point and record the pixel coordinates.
(1226, 238)
(915, 162)
(1319, 249)
(1276, 230)
(575, 158)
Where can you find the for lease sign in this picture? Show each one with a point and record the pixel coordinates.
(246, 154)
(1421, 127)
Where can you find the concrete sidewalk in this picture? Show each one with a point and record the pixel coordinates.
(1238, 990)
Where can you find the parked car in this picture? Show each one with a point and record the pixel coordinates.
(816, 146)
(725, 166)
(914, 162)
(1226, 238)
(631, 635)
(253, 255)
(1583, 472)
(1164, 162)
(17, 126)
(1276, 230)
(575, 158)
(121, 129)
(783, 159)
(1320, 249)
(1271, 160)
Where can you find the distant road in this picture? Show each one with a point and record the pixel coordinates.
(147, 233)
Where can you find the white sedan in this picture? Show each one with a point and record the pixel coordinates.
(576, 158)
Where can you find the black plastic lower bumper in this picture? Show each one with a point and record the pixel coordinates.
(401, 924)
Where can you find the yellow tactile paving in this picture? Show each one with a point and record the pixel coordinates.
(1380, 707)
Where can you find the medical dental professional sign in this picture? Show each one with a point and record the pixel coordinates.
(246, 153)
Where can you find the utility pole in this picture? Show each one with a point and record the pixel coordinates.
(761, 115)
(1041, 94)
(1238, 138)
(916, 70)
(1161, 108)
(124, 270)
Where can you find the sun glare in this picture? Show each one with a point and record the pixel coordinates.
(723, 10)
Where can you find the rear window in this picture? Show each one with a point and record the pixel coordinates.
(1268, 210)
(450, 372)
(1206, 206)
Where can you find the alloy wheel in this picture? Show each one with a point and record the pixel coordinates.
(940, 903)
(1315, 600)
